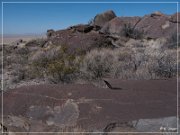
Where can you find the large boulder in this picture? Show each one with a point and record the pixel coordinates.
(116, 25)
(50, 108)
(102, 19)
(153, 26)
(76, 41)
(156, 25)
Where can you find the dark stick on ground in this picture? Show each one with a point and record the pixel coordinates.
(109, 86)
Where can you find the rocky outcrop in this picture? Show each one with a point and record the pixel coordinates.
(77, 41)
(157, 13)
(153, 26)
(65, 115)
(116, 25)
(108, 30)
(174, 18)
(82, 28)
(156, 26)
(102, 19)
(41, 108)
(49, 33)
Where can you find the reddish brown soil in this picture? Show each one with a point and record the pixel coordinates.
(99, 106)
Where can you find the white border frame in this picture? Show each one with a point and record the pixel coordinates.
(2, 86)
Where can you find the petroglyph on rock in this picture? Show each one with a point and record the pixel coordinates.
(65, 115)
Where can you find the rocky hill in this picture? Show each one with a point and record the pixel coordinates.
(107, 27)
(128, 37)
(57, 83)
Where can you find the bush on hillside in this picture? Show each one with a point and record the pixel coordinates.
(129, 63)
(172, 42)
(55, 64)
(97, 63)
(130, 32)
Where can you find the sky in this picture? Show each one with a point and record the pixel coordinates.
(36, 18)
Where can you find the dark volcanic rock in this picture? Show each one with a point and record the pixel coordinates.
(116, 25)
(85, 37)
(50, 32)
(79, 41)
(101, 19)
(82, 28)
(174, 18)
(156, 26)
(153, 26)
(88, 106)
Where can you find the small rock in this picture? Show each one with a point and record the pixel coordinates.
(157, 13)
(50, 33)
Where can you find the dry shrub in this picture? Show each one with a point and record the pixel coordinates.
(15, 62)
(100, 63)
(151, 63)
(55, 64)
(97, 63)
(162, 62)
(130, 32)
(172, 41)
(130, 63)
(124, 65)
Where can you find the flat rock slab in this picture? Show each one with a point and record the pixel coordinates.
(92, 108)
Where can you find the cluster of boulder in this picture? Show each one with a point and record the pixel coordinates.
(106, 28)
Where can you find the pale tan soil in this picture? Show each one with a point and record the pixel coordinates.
(13, 38)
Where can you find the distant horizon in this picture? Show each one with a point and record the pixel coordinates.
(22, 34)
(20, 19)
